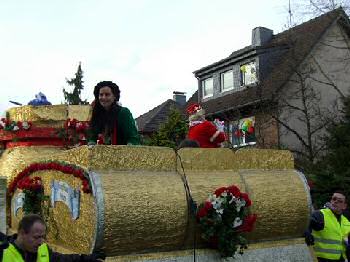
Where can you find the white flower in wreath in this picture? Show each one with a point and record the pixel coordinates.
(15, 128)
(233, 199)
(239, 204)
(216, 205)
(2, 124)
(25, 125)
(217, 202)
(224, 194)
(220, 211)
(237, 222)
(212, 198)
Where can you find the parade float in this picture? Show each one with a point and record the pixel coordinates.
(135, 203)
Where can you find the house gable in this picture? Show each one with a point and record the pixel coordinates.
(325, 71)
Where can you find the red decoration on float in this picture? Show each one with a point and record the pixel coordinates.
(66, 168)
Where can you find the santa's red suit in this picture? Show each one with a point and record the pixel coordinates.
(206, 134)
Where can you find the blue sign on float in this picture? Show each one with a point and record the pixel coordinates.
(61, 191)
(18, 202)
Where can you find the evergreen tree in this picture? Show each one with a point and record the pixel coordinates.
(333, 171)
(77, 82)
(172, 132)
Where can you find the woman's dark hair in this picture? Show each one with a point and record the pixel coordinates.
(100, 118)
(114, 87)
(28, 221)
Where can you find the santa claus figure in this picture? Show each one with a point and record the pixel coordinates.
(204, 132)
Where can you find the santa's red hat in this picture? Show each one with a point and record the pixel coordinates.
(193, 108)
(195, 112)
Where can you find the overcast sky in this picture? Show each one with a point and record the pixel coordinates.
(148, 47)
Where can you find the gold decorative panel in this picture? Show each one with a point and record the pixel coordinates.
(143, 211)
(139, 202)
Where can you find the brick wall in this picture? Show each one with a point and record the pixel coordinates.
(266, 131)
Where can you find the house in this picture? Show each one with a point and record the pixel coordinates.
(150, 122)
(275, 92)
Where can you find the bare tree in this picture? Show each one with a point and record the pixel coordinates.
(302, 10)
(318, 7)
(310, 99)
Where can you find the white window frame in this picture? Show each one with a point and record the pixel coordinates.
(247, 77)
(222, 81)
(204, 83)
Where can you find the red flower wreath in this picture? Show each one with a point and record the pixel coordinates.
(223, 217)
(59, 166)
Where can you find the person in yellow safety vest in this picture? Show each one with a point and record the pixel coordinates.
(29, 245)
(3, 243)
(329, 231)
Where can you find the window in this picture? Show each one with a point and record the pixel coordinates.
(242, 132)
(248, 74)
(207, 87)
(226, 80)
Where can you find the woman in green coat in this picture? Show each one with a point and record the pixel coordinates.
(111, 123)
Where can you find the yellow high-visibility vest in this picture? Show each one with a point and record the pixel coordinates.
(329, 242)
(11, 254)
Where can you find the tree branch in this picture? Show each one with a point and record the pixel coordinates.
(330, 83)
(291, 130)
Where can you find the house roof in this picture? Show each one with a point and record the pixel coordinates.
(192, 99)
(297, 41)
(235, 54)
(151, 121)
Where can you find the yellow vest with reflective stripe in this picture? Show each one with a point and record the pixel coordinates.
(329, 242)
(11, 254)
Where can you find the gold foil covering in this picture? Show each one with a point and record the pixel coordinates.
(145, 205)
(281, 202)
(206, 159)
(79, 112)
(204, 183)
(265, 159)
(171, 256)
(144, 211)
(228, 159)
(279, 196)
(79, 156)
(40, 116)
(15, 159)
(132, 158)
(63, 230)
(114, 157)
(49, 116)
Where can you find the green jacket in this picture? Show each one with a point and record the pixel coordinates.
(126, 129)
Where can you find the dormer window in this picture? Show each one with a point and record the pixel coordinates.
(207, 87)
(226, 80)
(248, 74)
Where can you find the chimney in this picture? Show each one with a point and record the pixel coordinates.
(261, 36)
(179, 97)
